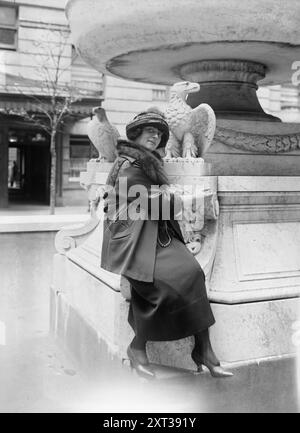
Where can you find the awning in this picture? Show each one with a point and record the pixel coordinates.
(19, 95)
(17, 105)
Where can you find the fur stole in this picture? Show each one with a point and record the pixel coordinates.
(149, 162)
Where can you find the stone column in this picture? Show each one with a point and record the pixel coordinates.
(228, 86)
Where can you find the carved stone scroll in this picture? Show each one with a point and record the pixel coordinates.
(258, 142)
(69, 237)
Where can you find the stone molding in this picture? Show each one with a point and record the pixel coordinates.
(263, 143)
(247, 208)
(227, 184)
(261, 295)
(186, 166)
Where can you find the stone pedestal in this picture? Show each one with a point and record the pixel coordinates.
(251, 261)
(250, 253)
(255, 281)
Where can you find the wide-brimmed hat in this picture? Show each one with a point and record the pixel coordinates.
(151, 117)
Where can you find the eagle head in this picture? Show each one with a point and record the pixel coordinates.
(183, 88)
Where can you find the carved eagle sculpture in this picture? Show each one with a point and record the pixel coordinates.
(103, 135)
(191, 129)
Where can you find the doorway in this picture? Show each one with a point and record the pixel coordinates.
(29, 167)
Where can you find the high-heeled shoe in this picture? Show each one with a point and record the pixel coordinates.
(215, 370)
(139, 362)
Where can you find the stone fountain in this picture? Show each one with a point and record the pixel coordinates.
(251, 255)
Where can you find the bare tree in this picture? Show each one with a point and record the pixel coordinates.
(52, 93)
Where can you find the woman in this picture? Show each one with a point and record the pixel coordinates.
(168, 294)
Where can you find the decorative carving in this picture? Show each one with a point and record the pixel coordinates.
(258, 142)
(191, 130)
(70, 236)
(222, 70)
(198, 207)
(179, 166)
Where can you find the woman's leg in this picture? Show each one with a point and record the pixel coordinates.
(138, 347)
(138, 343)
(204, 348)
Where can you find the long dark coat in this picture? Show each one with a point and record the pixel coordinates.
(129, 246)
(168, 294)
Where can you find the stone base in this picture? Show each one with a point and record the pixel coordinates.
(242, 333)
(252, 268)
(90, 352)
(90, 319)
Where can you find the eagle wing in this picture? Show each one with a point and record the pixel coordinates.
(202, 126)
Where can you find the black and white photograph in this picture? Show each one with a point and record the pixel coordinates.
(149, 209)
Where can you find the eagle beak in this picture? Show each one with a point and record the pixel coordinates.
(194, 88)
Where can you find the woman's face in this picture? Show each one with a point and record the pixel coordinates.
(149, 138)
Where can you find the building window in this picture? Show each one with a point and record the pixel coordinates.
(8, 27)
(159, 94)
(81, 151)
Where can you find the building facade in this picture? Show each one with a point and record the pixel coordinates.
(24, 146)
(281, 101)
(33, 36)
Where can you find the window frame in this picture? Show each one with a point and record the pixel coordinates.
(11, 47)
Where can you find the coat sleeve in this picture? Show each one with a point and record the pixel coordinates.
(135, 189)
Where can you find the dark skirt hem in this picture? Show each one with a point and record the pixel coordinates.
(186, 335)
(175, 325)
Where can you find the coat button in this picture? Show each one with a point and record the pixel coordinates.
(105, 209)
(105, 195)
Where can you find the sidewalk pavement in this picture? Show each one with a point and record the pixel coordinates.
(25, 218)
(27, 209)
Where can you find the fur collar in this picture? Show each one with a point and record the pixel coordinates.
(150, 162)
